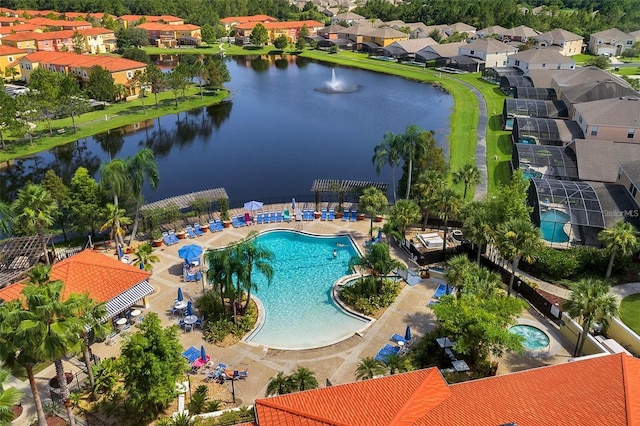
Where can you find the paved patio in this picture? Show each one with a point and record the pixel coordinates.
(336, 363)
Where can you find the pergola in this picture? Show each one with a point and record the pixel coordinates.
(184, 201)
(18, 255)
(353, 187)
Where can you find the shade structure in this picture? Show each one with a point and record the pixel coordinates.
(203, 354)
(407, 334)
(253, 205)
(190, 251)
(180, 296)
(189, 308)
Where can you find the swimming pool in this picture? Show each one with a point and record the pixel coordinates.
(552, 226)
(534, 338)
(530, 174)
(299, 312)
(527, 140)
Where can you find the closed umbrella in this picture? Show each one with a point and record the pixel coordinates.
(190, 251)
(189, 308)
(180, 296)
(203, 354)
(407, 334)
(293, 204)
(253, 205)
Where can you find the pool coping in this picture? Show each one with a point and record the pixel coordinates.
(334, 297)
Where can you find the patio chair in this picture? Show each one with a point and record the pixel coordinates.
(173, 237)
(345, 215)
(272, 217)
(324, 214)
(260, 219)
(219, 226)
(166, 239)
(247, 219)
(353, 216)
(332, 215)
(400, 339)
(287, 216)
(188, 327)
(199, 322)
(197, 229)
(279, 217)
(190, 231)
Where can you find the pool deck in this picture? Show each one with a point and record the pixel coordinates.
(335, 363)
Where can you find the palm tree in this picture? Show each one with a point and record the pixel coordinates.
(379, 262)
(52, 327)
(396, 363)
(411, 147)
(469, 174)
(482, 283)
(220, 271)
(254, 256)
(115, 177)
(374, 202)
(458, 270)
(476, 227)
(145, 257)
(448, 203)
(8, 398)
(35, 209)
(279, 385)
(303, 379)
(93, 315)
(116, 219)
(427, 184)
(142, 169)
(368, 368)
(404, 213)
(18, 352)
(590, 301)
(518, 239)
(620, 239)
(388, 152)
(6, 216)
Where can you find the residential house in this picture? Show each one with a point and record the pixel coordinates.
(493, 52)
(171, 35)
(59, 24)
(99, 40)
(330, 32)
(356, 33)
(127, 21)
(550, 395)
(348, 17)
(611, 42)
(629, 177)
(495, 30)
(9, 55)
(7, 21)
(290, 29)
(613, 119)
(436, 51)
(122, 70)
(28, 14)
(407, 49)
(103, 278)
(25, 41)
(540, 59)
(72, 16)
(636, 35)
(599, 160)
(231, 22)
(432, 30)
(384, 36)
(520, 33)
(587, 84)
(417, 30)
(568, 43)
(95, 40)
(21, 28)
(460, 28)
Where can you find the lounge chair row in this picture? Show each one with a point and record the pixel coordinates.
(273, 217)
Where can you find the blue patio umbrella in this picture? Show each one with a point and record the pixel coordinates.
(253, 205)
(190, 251)
(180, 296)
(189, 308)
(379, 235)
(203, 354)
(407, 334)
(120, 253)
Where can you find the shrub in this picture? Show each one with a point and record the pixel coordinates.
(363, 296)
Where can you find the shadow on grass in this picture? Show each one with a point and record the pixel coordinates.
(504, 144)
(502, 173)
(495, 122)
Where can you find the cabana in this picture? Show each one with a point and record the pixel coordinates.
(568, 213)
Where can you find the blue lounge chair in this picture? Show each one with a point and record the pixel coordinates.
(173, 237)
(400, 339)
(219, 226)
(345, 215)
(442, 291)
(197, 229)
(305, 214)
(212, 226)
(237, 222)
(272, 217)
(287, 216)
(354, 216)
(190, 232)
(385, 352)
(279, 216)
(191, 354)
(332, 215)
(166, 239)
(324, 214)
(260, 219)
(310, 215)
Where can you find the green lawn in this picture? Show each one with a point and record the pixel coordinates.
(627, 71)
(117, 115)
(630, 312)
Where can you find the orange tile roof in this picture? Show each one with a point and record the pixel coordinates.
(280, 25)
(51, 35)
(10, 50)
(254, 18)
(22, 28)
(68, 59)
(150, 18)
(101, 276)
(157, 26)
(73, 15)
(58, 22)
(598, 391)
(9, 19)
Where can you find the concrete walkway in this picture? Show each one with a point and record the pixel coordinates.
(623, 290)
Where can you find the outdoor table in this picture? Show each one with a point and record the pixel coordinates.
(181, 305)
(444, 342)
(190, 319)
(135, 312)
(121, 321)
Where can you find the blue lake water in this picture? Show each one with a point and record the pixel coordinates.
(269, 142)
(299, 310)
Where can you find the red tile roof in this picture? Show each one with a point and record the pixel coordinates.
(598, 391)
(58, 22)
(22, 28)
(157, 26)
(254, 18)
(150, 18)
(281, 25)
(68, 59)
(101, 276)
(10, 50)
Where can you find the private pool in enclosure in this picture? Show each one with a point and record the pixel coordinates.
(299, 312)
(552, 226)
(534, 338)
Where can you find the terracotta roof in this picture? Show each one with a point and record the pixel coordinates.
(22, 28)
(101, 276)
(559, 394)
(10, 50)
(69, 59)
(281, 25)
(157, 26)
(150, 18)
(254, 18)
(58, 22)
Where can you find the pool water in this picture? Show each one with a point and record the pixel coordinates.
(552, 226)
(527, 140)
(299, 312)
(530, 174)
(534, 338)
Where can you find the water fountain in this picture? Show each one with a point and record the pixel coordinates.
(335, 86)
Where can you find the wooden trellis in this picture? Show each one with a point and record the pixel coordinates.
(352, 186)
(184, 201)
